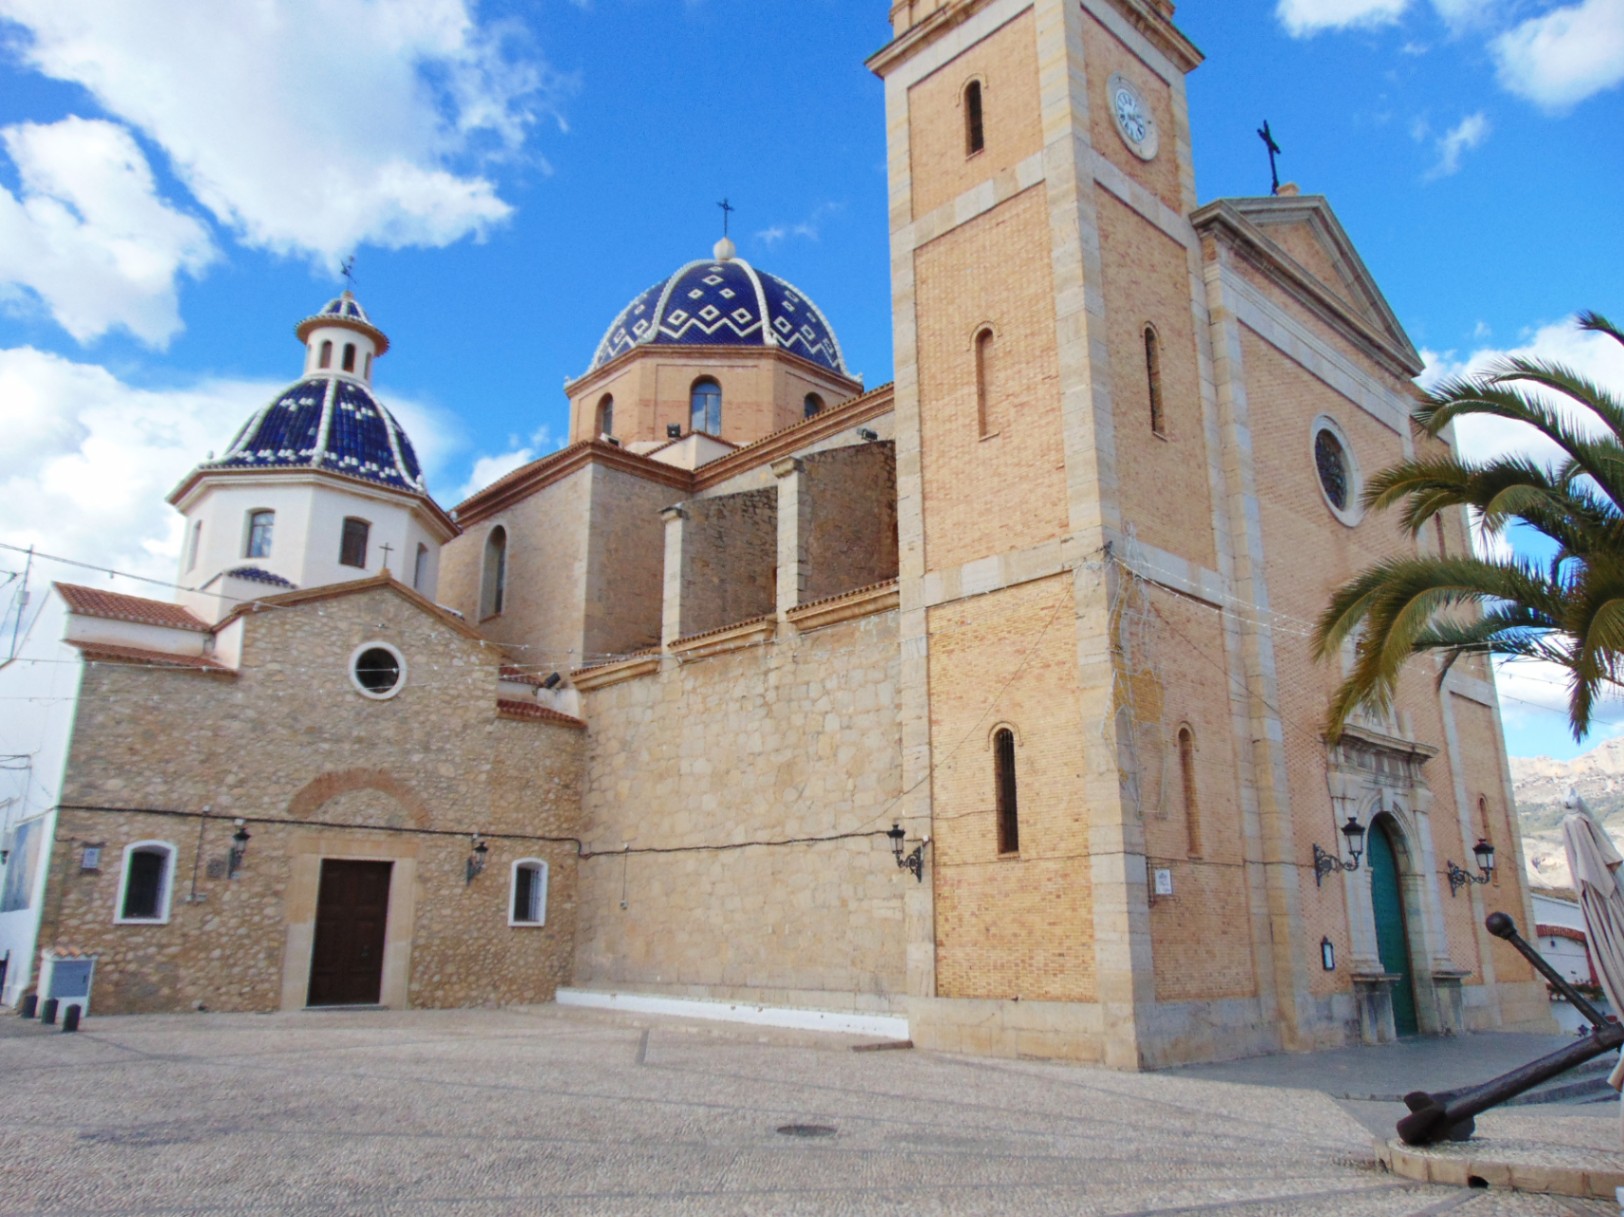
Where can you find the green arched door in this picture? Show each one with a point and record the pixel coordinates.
(1392, 944)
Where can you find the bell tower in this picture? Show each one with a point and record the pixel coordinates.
(1050, 410)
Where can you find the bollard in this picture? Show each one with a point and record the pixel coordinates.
(70, 1019)
(47, 1012)
(30, 1006)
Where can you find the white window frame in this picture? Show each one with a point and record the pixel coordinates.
(538, 891)
(378, 644)
(165, 896)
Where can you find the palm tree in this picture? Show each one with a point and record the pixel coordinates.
(1568, 609)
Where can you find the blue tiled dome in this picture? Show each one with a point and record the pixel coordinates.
(331, 423)
(724, 302)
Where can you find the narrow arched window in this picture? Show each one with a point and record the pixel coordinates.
(606, 415)
(1003, 763)
(144, 886)
(493, 583)
(349, 357)
(326, 360)
(705, 406)
(420, 568)
(352, 545)
(974, 135)
(529, 902)
(194, 544)
(812, 405)
(366, 369)
(984, 373)
(1153, 378)
(1192, 806)
(260, 524)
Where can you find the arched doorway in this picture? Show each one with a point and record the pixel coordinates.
(1392, 937)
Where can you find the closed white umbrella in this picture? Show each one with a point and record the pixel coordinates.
(1593, 861)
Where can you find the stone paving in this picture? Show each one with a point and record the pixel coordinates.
(540, 1110)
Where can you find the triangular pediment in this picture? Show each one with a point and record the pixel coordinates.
(1301, 243)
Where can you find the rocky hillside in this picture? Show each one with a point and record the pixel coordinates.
(1540, 784)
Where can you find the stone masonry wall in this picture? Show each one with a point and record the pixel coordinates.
(797, 738)
(625, 561)
(317, 771)
(853, 539)
(729, 559)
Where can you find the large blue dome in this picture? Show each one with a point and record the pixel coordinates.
(724, 302)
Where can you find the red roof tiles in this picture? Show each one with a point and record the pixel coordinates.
(101, 652)
(535, 713)
(93, 602)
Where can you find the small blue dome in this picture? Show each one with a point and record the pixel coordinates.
(724, 302)
(330, 423)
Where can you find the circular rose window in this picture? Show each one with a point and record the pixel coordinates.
(1338, 475)
(377, 670)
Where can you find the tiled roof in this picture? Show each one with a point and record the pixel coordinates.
(102, 652)
(254, 575)
(540, 714)
(853, 592)
(518, 675)
(115, 606)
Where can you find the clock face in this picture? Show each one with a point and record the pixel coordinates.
(1134, 121)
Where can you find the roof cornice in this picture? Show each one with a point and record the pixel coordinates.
(528, 479)
(332, 591)
(180, 496)
(680, 350)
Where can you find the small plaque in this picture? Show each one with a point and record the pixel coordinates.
(91, 858)
(1164, 881)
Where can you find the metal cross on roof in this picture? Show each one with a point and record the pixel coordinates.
(1274, 151)
(726, 209)
(347, 269)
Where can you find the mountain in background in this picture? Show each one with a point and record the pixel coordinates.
(1540, 784)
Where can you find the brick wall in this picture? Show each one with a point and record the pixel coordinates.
(729, 559)
(625, 539)
(852, 540)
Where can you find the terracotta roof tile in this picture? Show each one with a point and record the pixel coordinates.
(722, 629)
(853, 592)
(93, 602)
(516, 674)
(535, 713)
(101, 652)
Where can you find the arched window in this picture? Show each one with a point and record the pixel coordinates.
(420, 568)
(974, 135)
(326, 360)
(606, 415)
(194, 544)
(144, 886)
(529, 903)
(352, 546)
(705, 406)
(812, 405)
(1153, 377)
(366, 369)
(1192, 806)
(349, 357)
(493, 582)
(1003, 764)
(984, 383)
(259, 534)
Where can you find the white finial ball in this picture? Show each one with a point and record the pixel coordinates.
(724, 250)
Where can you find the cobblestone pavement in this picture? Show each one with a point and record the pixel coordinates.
(480, 1113)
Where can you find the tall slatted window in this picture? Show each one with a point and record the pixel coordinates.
(1192, 805)
(1153, 377)
(493, 584)
(1009, 824)
(606, 415)
(984, 356)
(349, 357)
(326, 360)
(352, 546)
(975, 136)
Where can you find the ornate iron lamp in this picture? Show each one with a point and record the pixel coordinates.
(1484, 853)
(1325, 864)
(239, 847)
(915, 861)
(476, 858)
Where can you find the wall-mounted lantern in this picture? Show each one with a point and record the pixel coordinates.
(1324, 864)
(476, 858)
(1484, 853)
(915, 861)
(239, 847)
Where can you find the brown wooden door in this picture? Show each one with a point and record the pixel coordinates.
(352, 911)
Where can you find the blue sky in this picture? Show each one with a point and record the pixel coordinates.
(179, 182)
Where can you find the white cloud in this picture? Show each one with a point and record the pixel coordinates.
(1467, 14)
(1462, 138)
(1305, 17)
(88, 235)
(492, 466)
(809, 229)
(89, 458)
(309, 126)
(1559, 59)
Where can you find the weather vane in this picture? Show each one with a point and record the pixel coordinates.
(347, 269)
(726, 208)
(1274, 151)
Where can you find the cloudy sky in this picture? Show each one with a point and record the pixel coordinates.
(179, 182)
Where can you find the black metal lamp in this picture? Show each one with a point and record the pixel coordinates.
(1324, 864)
(915, 861)
(239, 847)
(1483, 851)
(476, 858)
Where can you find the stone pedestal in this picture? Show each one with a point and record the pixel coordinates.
(1373, 997)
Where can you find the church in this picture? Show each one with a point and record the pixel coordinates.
(975, 709)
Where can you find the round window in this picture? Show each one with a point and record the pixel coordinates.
(1338, 474)
(377, 669)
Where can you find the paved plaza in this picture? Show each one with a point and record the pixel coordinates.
(540, 1110)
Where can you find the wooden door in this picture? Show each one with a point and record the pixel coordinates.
(352, 912)
(1392, 940)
